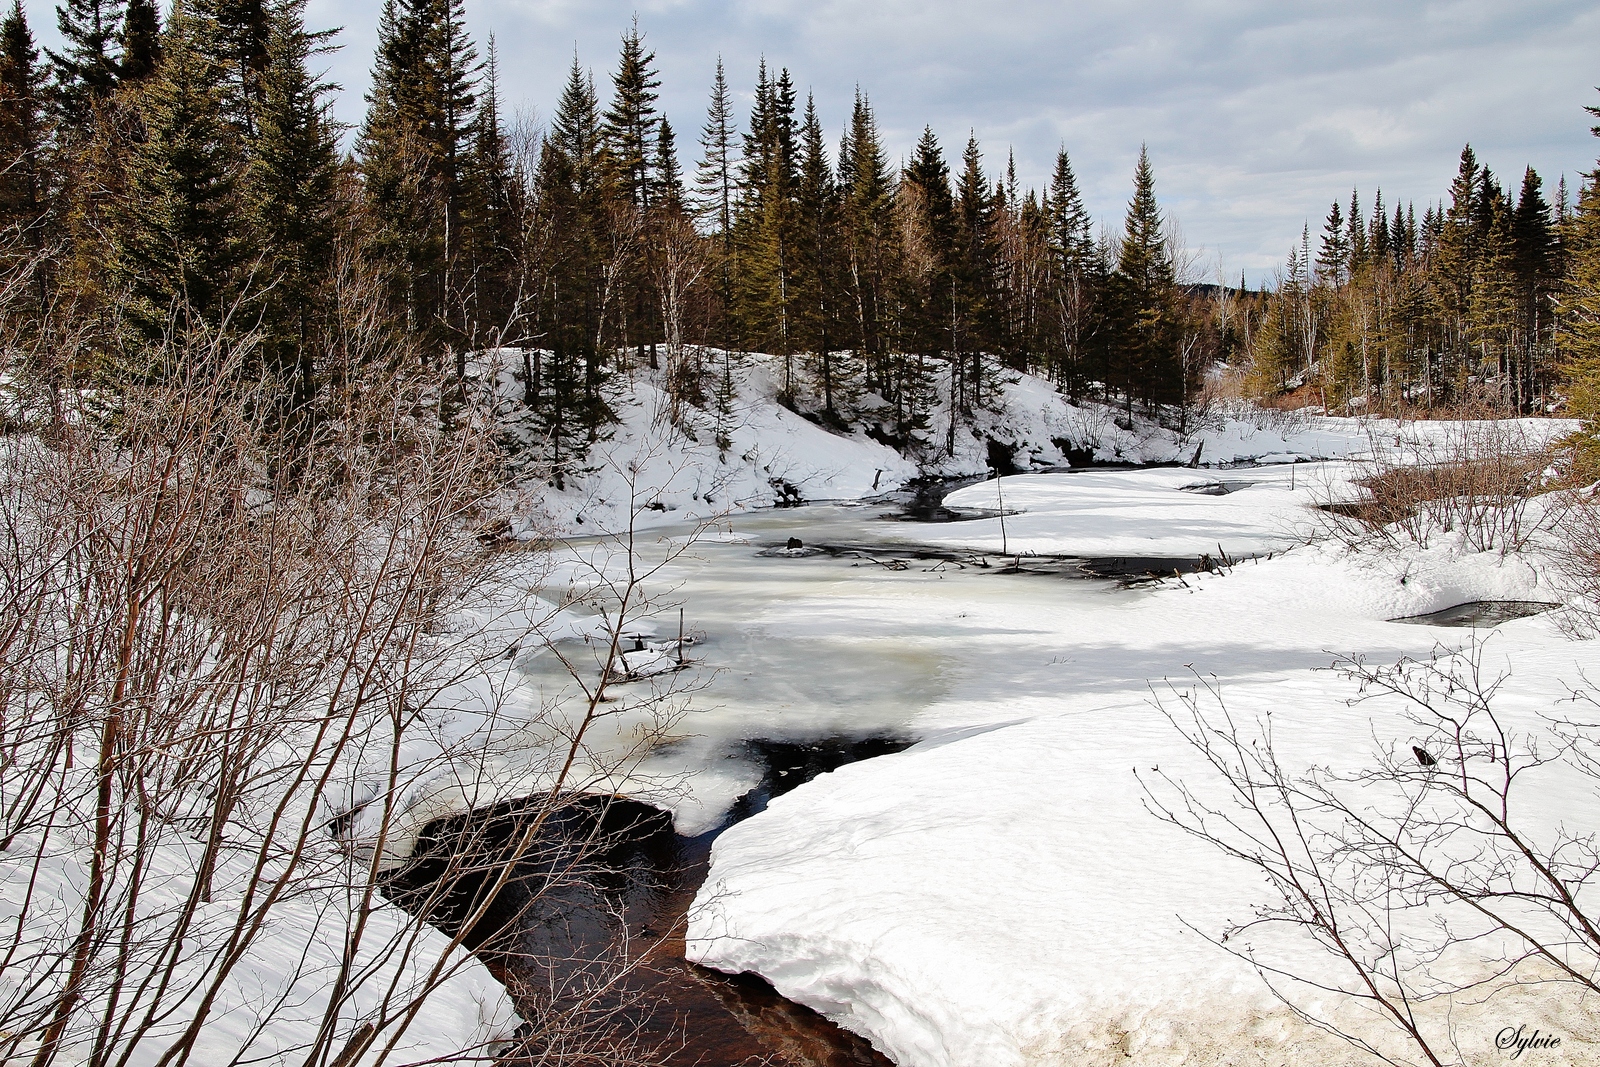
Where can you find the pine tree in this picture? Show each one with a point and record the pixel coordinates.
(1079, 275)
(86, 67)
(816, 280)
(1535, 263)
(1143, 286)
(181, 247)
(629, 124)
(714, 187)
(666, 174)
(975, 264)
(239, 43)
(22, 188)
(140, 42)
(767, 221)
(1378, 234)
(929, 214)
(490, 219)
(866, 219)
(1579, 315)
(566, 389)
(1333, 260)
(1454, 256)
(1356, 236)
(413, 151)
(291, 185)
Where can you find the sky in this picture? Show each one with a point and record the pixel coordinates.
(1256, 115)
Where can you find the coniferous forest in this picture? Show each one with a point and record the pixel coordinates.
(173, 181)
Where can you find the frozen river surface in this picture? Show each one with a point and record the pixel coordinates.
(999, 893)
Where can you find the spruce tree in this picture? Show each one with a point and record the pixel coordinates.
(85, 70)
(413, 151)
(22, 190)
(975, 264)
(714, 189)
(239, 44)
(1535, 259)
(140, 41)
(491, 217)
(930, 210)
(866, 219)
(1356, 237)
(1333, 259)
(1378, 233)
(1455, 242)
(630, 123)
(290, 193)
(181, 248)
(817, 241)
(1143, 283)
(1079, 275)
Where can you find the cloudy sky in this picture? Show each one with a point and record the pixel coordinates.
(1257, 114)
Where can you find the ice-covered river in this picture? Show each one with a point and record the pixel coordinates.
(827, 634)
(876, 631)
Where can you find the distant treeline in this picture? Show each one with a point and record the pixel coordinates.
(169, 181)
(1471, 303)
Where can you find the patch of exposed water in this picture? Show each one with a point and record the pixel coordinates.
(604, 892)
(1480, 613)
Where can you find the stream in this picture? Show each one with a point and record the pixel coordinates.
(820, 635)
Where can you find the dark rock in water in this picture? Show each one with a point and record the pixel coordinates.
(794, 543)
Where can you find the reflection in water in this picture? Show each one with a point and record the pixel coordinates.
(604, 891)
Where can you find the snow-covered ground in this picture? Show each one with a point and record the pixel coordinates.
(1001, 893)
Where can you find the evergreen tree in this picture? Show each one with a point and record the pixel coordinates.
(140, 41)
(630, 123)
(1356, 236)
(1455, 243)
(929, 223)
(413, 151)
(1079, 276)
(817, 284)
(866, 220)
(767, 222)
(292, 180)
(1333, 260)
(181, 248)
(86, 67)
(1579, 315)
(714, 187)
(1378, 235)
(22, 187)
(1143, 290)
(239, 42)
(566, 389)
(666, 177)
(1535, 259)
(974, 268)
(490, 217)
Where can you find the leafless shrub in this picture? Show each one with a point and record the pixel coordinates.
(1435, 872)
(1578, 563)
(1476, 478)
(225, 641)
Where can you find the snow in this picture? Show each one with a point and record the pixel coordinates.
(1000, 893)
